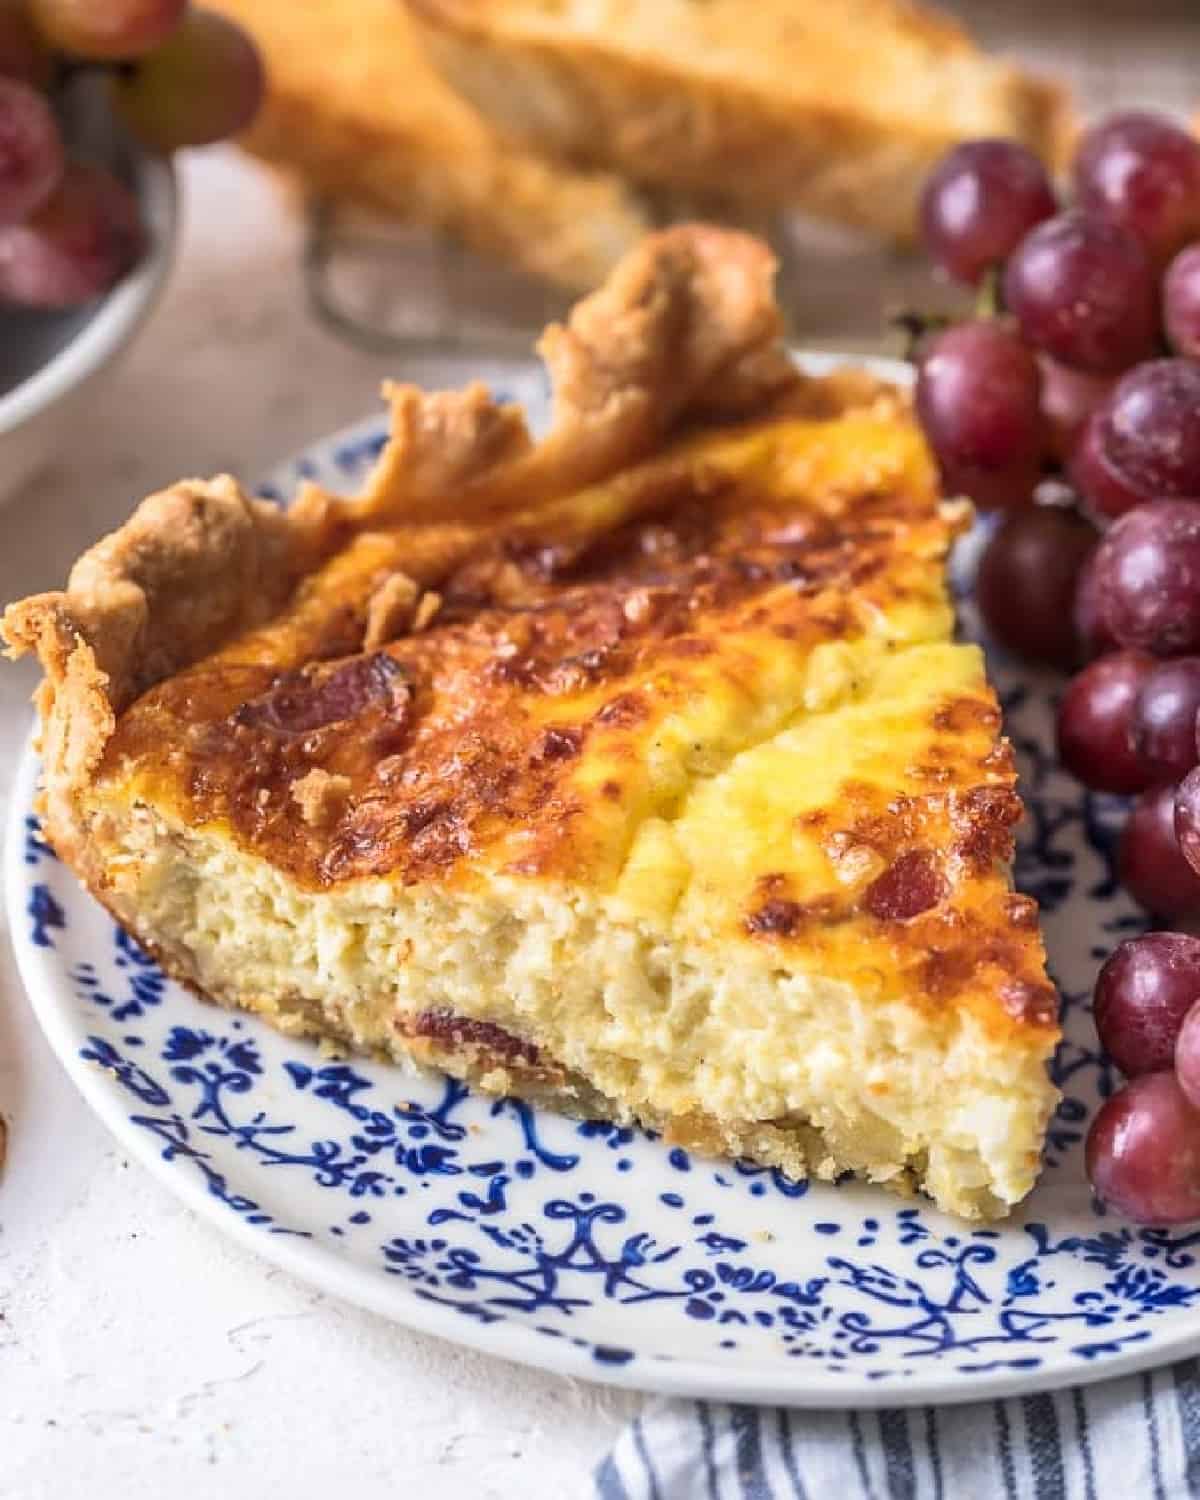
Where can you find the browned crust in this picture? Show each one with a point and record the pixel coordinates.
(610, 96)
(688, 313)
(391, 610)
(194, 564)
(685, 321)
(356, 113)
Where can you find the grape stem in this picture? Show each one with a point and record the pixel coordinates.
(916, 327)
(989, 300)
(70, 68)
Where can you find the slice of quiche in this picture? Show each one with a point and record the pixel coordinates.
(635, 771)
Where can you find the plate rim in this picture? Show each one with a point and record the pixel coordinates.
(318, 1264)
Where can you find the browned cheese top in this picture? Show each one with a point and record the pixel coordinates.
(721, 688)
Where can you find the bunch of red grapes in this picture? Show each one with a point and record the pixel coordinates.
(1074, 407)
(177, 76)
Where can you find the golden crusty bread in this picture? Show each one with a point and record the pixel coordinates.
(832, 107)
(356, 111)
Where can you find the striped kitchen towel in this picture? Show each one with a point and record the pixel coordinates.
(1137, 1438)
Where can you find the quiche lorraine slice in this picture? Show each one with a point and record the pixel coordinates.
(635, 771)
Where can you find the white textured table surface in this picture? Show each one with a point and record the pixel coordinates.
(140, 1353)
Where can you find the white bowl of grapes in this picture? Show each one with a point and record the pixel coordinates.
(96, 96)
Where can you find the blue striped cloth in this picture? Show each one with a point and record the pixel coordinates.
(1137, 1438)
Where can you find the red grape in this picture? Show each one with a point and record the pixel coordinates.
(106, 30)
(1146, 987)
(77, 246)
(1143, 1152)
(1187, 1056)
(1152, 866)
(1068, 399)
(1181, 302)
(1091, 628)
(979, 202)
(1025, 586)
(1105, 492)
(23, 54)
(1083, 291)
(977, 397)
(1147, 569)
(204, 83)
(1187, 818)
(1164, 718)
(1095, 719)
(1142, 171)
(1150, 426)
(31, 153)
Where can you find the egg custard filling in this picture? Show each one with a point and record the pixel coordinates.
(636, 772)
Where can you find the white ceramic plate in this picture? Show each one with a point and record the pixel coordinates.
(597, 1251)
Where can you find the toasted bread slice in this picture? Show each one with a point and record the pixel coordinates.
(357, 112)
(832, 107)
(636, 771)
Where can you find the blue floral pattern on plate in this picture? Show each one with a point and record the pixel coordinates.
(598, 1250)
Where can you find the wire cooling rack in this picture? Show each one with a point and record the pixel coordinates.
(392, 289)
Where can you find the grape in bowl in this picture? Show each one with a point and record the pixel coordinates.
(48, 358)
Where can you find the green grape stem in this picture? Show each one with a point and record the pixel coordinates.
(989, 300)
